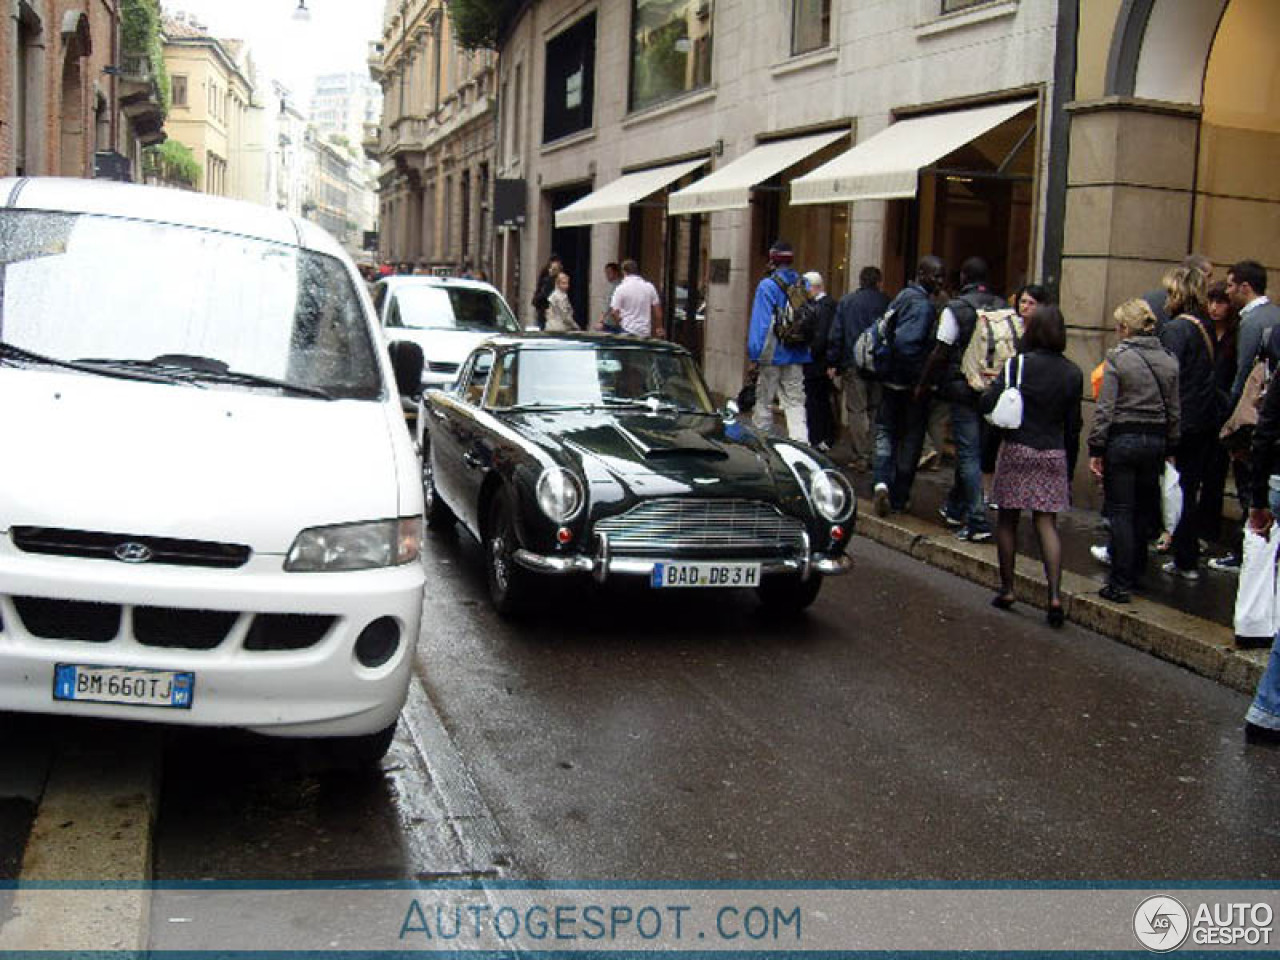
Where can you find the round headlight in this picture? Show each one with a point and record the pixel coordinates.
(831, 495)
(559, 494)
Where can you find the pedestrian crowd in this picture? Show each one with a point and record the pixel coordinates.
(1181, 405)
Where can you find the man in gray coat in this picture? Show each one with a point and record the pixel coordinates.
(1247, 288)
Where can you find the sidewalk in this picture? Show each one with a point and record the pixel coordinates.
(1185, 623)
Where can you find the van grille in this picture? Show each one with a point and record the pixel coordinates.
(103, 546)
(68, 619)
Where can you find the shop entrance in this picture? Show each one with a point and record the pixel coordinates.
(573, 244)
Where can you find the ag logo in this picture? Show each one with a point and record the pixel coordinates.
(1161, 924)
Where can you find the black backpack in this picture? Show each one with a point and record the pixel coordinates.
(795, 322)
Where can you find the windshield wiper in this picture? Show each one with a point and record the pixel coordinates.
(21, 355)
(191, 369)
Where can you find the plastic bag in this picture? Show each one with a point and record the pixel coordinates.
(1007, 413)
(1170, 497)
(1255, 615)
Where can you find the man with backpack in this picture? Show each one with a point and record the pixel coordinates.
(904, 336)
(773, 347)
(856, 312)
(965, 507)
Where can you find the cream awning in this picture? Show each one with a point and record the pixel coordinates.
(730, 186)
(886, 165)
(612, 202)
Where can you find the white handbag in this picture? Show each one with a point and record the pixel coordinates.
(1170, 497)
(1255, 613)
(1007, 413)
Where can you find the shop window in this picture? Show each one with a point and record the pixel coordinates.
(670, 49)
(178, 90)
(570, 84)
(952, 6)
(810, 25)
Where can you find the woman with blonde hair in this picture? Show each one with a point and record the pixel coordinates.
(1188, 336)
(1135, 427)
(560, 317)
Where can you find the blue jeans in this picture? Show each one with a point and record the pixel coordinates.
(965, 502)
(1265, 709)
(900, 426)
(1131, 486)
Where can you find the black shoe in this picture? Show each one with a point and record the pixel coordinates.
(1056, 617)
(1115, 596)
(1261, 735)
(1002, 601)
(1252, 643)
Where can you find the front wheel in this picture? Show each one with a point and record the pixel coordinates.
(788, 594)
(360, 753)
(508, 582)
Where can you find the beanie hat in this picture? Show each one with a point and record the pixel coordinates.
(781, 252)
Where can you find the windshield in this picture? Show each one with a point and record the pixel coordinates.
(450, 308)
(601, 376)
(231, 311)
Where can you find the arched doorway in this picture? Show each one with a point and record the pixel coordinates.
(74, 159)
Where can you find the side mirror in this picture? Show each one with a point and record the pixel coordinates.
(408, 362)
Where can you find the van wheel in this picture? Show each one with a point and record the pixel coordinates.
(436, 511)
(362, 753)
(788, 594)
(508, 582)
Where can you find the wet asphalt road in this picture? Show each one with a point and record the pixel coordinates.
(902, 730)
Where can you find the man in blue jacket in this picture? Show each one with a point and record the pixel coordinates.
(781, 367)
(903, 416)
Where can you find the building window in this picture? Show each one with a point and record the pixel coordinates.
(810, 25)
(570, 86)
(670, 49)
(178, 90)
(951, 6)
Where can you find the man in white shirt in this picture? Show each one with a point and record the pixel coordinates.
(636, 305)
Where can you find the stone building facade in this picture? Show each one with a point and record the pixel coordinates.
(675, 131)
(435, 144)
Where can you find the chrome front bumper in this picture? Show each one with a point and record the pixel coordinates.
(603, 565)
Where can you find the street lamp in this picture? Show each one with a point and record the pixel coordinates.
(302, 13)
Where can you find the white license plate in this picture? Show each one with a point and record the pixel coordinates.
(706, 575)
(132, 686)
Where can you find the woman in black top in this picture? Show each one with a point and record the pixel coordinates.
(1036, 461)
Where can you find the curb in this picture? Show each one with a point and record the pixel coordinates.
(1199, 645)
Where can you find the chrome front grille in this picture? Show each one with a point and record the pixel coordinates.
(679, 527)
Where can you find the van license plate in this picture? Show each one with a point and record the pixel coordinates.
(132, 686)
(705, 575)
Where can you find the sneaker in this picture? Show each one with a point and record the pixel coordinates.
(880, 499)
(1173, 570)
(1228, 564)
(1102, 553)
(948, 519)
(973, 536)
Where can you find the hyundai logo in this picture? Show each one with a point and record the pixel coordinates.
(133, 552)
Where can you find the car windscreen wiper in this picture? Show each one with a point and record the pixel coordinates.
(14, 354)
(652, 404)
(191, 369)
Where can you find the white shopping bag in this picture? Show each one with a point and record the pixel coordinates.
(1256, 595)
(1170, 497)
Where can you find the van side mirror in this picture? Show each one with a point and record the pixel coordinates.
(408, 362)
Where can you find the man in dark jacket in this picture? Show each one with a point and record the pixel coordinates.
(817, 385)
(855, 313)
(965, 507)
(904, 413)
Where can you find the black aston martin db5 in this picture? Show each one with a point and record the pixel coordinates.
(604, 456)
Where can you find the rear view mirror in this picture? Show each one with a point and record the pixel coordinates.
(408, 362)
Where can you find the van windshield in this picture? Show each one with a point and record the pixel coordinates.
(450, 308)
(78, 287)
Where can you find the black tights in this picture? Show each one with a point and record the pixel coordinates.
(1046, 525)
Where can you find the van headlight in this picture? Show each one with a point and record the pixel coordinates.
(830, 494)
(559, 494)
(356, 546)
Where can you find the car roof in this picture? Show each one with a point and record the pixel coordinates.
(582, 339)
(164, 205)
(422, 280)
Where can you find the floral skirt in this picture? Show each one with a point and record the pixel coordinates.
(1030, 479)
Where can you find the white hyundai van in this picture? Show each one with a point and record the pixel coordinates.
(210, 507)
